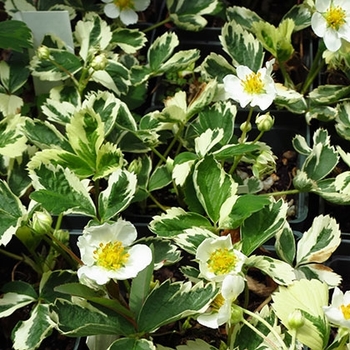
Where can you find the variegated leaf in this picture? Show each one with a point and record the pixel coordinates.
(131, 344)
(161, 49)
(61, 65)
(322, 113)
(11, 77)
(301, 15)
(129, 40)
(176, 221)
(244, 16)
(179, 61)
(328, 94)
(61, 191)
(191, 238)
(320, 272)
(243, 48)
(301, 145)
(319, 242)
(17, 294)
(183, 166)
(58, 111)
(12, 138)
(118, 194)
(114, 77)
(197, 344)
(12, 213)
(92, 32)
(342, 120)
(308, 296)
(215, 189)
(285, 244)
(160, 178)
(263, 225)
(10, 104)
(335, 194)
(45, 135)
(281, 272)
(207, 140)
(216, 66)
(170, 302)
(290, 99)
(30, 333)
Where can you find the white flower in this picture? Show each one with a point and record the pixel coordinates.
(331, 21)
(217, 258)
(339, 311)
(248, 87)
(107, 253)
(220, 310)
(125, 9)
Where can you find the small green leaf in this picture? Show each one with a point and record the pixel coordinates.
(132, 344)
(285, 244)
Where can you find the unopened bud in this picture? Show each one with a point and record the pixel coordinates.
(41, 222)
(236, 314)
(296, 319)
(246, 127)
(99, 62)
(62, 236)
(43, 52)
(264, 122)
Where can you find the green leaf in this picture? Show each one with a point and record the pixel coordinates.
(301, 15)
(80, 290)
(179, 61)
(80, 319)
(12, 212)
(243, 16)
(170, 302)
(262, 225)
(161, 49)
(227, 152)
(15, 35)
(243, 48)
(319, 242)
(175, 221)
(30, 333)
(140, 287)
(328, 94)
(50, 280)
(61, 65)
(342, 120)
(60, 191)
(118, 194)
(132, 344)
(215, 189)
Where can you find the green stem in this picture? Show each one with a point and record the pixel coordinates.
(158, 204)
(158, 24)
(280, 193)
(287, 79)
(316, 66)
(11, 255)
(282, 345)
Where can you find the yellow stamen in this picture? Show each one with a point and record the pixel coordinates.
(222, 261)
(112, 255)
(124, 4)
(346, 311)
(335, 17)
(253, 84)
(217, 302)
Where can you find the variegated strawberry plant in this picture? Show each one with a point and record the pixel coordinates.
(90, 148)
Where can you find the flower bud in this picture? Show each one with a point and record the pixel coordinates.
(264, 122)
(62, 236)
(236, 314)
(296, 319)
(135, 166)
(43, 52)
(99, 62)
(41, 222)
(245, 126)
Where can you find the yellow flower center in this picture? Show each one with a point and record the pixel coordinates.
(335, 17)
(222, 261)
(253, 84)
(217, 302)
(346, 311)
(124, 4)
(112, 255)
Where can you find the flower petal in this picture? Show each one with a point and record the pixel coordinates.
(129, 16)
(111, 10)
